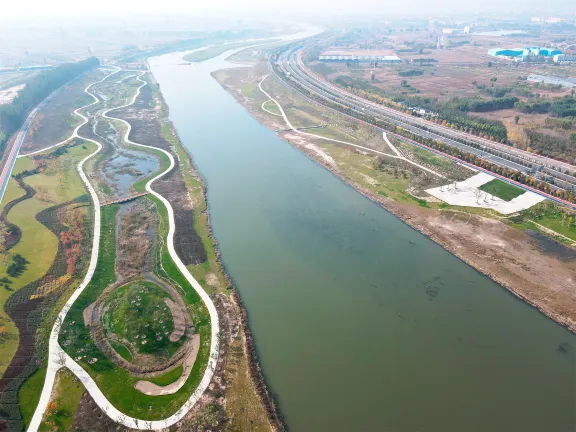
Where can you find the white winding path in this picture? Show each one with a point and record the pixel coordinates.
(77, 112)
(398, 155)
(58, 358)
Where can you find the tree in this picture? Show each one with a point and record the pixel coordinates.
(516, 119)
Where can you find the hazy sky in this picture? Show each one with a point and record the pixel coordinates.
(65, 8)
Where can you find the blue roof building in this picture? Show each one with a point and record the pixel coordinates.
(522, 53)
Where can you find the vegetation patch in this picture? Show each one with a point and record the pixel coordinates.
(62, 406)
(138, 314)
(502, 190)
(168, 377)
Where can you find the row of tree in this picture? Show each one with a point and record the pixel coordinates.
(12, 115)
(493, 130)
(483, 105)
(555, 146)
(559, 107)
(475, 160)
(469, 157)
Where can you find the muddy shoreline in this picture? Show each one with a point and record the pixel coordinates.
(275, 418)
(467, 249)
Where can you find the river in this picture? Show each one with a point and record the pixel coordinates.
(361, 323)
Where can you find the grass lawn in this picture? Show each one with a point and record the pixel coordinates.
(38, 244)
(550, 215)
(502, 189)
(29, 394)
(121, 350)
(116, 383)
(272, 107)
(66, 395)
(168, 377)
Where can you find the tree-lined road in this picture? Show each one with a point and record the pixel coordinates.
(291, 64)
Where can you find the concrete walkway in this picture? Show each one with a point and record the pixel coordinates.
(58, 358)
(468, 194)
(398, 154)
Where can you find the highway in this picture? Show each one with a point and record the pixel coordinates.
(499, 154)
(291, 66)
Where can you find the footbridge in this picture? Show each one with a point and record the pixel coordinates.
(123, 199)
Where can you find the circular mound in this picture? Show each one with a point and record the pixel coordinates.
(138, 316)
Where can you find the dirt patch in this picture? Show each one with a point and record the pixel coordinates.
(134, 239)
(211, 279)
(87, 314)
(179, 320)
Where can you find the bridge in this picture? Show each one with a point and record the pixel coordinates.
(123, 199)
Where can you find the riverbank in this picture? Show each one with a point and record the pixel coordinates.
(507, 255)
(241, 390)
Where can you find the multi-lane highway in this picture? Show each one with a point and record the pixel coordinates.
(557, 173)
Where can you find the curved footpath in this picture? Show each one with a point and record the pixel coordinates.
(398, 155)
(76, 111)
(58, 358)
(13, 155)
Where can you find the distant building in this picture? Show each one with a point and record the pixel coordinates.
(359, 56)
(564, 58)
(524, 53)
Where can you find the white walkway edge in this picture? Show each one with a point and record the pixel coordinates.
(58, 358)
(76, 111)
(398, 155)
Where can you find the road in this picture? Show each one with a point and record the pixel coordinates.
(58, 358)
(286, 63)
(500, 154)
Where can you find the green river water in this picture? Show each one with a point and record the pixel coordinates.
(361, 323)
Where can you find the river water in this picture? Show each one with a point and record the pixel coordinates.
(361, 323)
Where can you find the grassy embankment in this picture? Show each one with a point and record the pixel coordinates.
(38, 245)
(67, 393)
(117, 384)
(214, 51)
(243, 405)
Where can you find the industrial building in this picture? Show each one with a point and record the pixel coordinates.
(564, 58)
(359, 56)
(524, 53)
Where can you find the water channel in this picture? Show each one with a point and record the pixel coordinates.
(361, 323)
